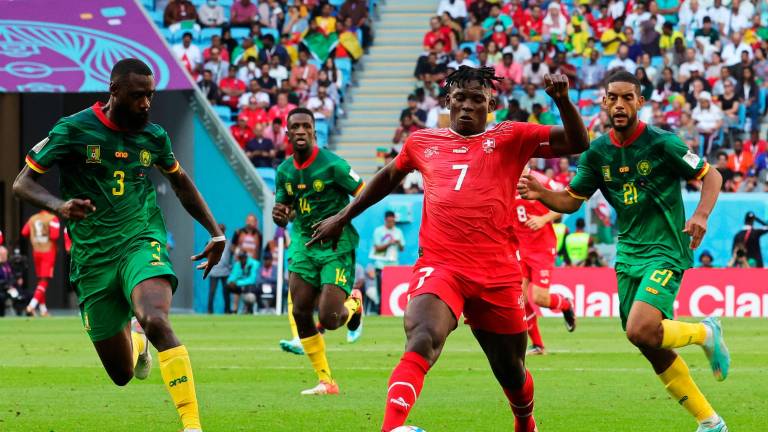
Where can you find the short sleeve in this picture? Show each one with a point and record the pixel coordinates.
(281, 194)
(404, 160)
(50, 150)
(682, 160)
(586, 181)
(533, 139)
(165, 159)
(347, 179)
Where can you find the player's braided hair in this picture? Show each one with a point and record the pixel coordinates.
(486, 76)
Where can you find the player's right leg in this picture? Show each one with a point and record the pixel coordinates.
(293, 345)
(531, 320)
(540, 277)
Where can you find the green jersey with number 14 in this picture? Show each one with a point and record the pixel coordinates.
(640, 178)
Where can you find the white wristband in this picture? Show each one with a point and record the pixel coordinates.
(218, 239)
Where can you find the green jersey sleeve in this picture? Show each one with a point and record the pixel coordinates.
(47, 152)
(282, 195)
(682, 160)
(586, 181)
(166, 160)
(347, 179)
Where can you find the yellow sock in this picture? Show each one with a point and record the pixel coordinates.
(177, 375)
(677, 379)
(138, 346)
(352, 305)
(291, 321)
(314, 347)
(679, 334)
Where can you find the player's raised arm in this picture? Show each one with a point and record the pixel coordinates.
(196, 206)
(559, 201)
(572, 137)
(384, 182)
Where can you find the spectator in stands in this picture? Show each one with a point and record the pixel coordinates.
(496, 18)
(242, 279)
(270, 13)
(760, 65)
(531, 97)
(267, 285)
(462, 58)
(231, 88)
(691, 17)
(304, 70)
(534, 71)
(216, 42)
(599, 25)
(278, 71)
(687, 131)
(179, 10)
(650, 37)
(668, 36)
(216, 65)
(554, 25)
(707, 38)
(413, 183)
(211, 14)
(281, 108)
(667, 84)
(388, 242)
(563, 175)
(533, 25)
(248, 238)
(404, 130)
(219, 274)
(268, 84)
(515, 113)
(457, 9)
(260, 150)
(578, 36)
(562, 66)
(243, 13)
(754, 144)
(188, 54)
(481, 9)
(228, 41)
(522, 54)
(714, 69)
(209, 88)
(708, 118)
(740, 160)
(437, 117)
(249, 72)
(622, 60)
(725, 172)
(636, 49)
(295, 24)
(732, 50)
(646, 86)
(418, 116)
(739, 257)
(276, 134)
(270, 49)
(357, 12)
(255, 114)
(511, 72)
(326, 23)
(592, 73)
(241, 132)
(748, 93)
(438, 33)
(729, 105)
(539, 116)
(691, 64)
(613, 37)
(705, 259)
(253, 91)
(321, 105)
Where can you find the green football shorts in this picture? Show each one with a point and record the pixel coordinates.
(323, 267)
(656, 284)
(104, 290)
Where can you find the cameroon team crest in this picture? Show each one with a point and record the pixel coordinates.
(606, 173)
(145, 157)
(644, 167)
(318, 185)
(289, 188)
(93, 154)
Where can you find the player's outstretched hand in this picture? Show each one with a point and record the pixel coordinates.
(536, 222)
(281, 214)
(76, 209)
(213, 251)
(529, 188)
(328, 229)
(696, 227)
(556, 86)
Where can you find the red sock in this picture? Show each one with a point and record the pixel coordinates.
(557, 303)
(404, 387)
(521, 402)
(40, 291)
(533, 326)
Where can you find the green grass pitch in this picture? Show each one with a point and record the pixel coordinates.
(593, 380)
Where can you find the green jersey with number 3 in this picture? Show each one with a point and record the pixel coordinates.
(98, 161)
(641, 178)
(317, 189)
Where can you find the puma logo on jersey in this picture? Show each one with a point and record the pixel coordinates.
(461, 150)
(400, 401)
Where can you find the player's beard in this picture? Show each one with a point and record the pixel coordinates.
(631, 120)
(130, 120)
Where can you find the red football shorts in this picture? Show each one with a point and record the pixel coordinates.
(537, 268)
(493, 309)
(44, 262)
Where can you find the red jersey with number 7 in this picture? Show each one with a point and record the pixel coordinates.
(470, 184)
(543, 239)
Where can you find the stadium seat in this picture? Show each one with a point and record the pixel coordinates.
(149, 5)
(336, 3)
(533, 46)
(224, 112)
(275, 34)
(156, 16)
(573, 94)
(657, 62)
(207, 34)
(761, 101)
(168, 35)
(577, 61)
(226, 4)
(323, 130)
(268, 175)
(239, 33)
(471, 45)
(344, 65)
(604, 60)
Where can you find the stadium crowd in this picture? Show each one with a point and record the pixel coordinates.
(702, 65)
(257, 60)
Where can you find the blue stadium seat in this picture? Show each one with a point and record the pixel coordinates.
(224, 112)
(268, 175)
(238, 33)
(573, 94)
(742, 117)
(577, 61)
(149, 5)
(336, 3)
(344, 65)
(590, 110)
(471, 45)
(226, 4)
(533, 46)
(168, 35)
(761, 101)
(604, 60)
(589, 94)
(275, 34)
(207, 34)
(157, 17)
(657, 62)
(323, 129)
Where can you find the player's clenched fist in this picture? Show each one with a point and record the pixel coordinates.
(76, 209)
(529, 188)
(281, 213)
(556, 86)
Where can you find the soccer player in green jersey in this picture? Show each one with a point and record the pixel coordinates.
(316, 184)
(639, 169)
(120, 267)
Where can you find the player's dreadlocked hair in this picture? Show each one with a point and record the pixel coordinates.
(486, 76)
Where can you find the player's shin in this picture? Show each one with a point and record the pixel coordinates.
(679, 334)
(677, 379)
(521, 402)
(291, 320)
(533, 326)
(405, 385)
(176, 371)
(314, 347)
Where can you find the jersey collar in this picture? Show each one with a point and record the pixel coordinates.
(615, 140)
(103, 117)
(307, 162)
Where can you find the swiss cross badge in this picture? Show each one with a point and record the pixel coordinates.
(489, 144)
(431, 152)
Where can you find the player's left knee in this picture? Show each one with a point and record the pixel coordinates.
(330, 320)
(155, 323)
(643, 336)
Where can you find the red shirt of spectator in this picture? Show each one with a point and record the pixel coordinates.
(740, 160)
(600, 25)
(303, 71)
(231, 87)
(255, 115)
(436, 33)
(509, 70)
(241, 132)
(282, 109)
(533, 23)
(755, 145)
(223, 53)
(514, 11)
(243, 12)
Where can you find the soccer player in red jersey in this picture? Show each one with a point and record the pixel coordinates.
(538, 246)
(467, 242)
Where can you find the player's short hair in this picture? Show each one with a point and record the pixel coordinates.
(623, 76)
(125, 67)
(301, 110)
(486, 76)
